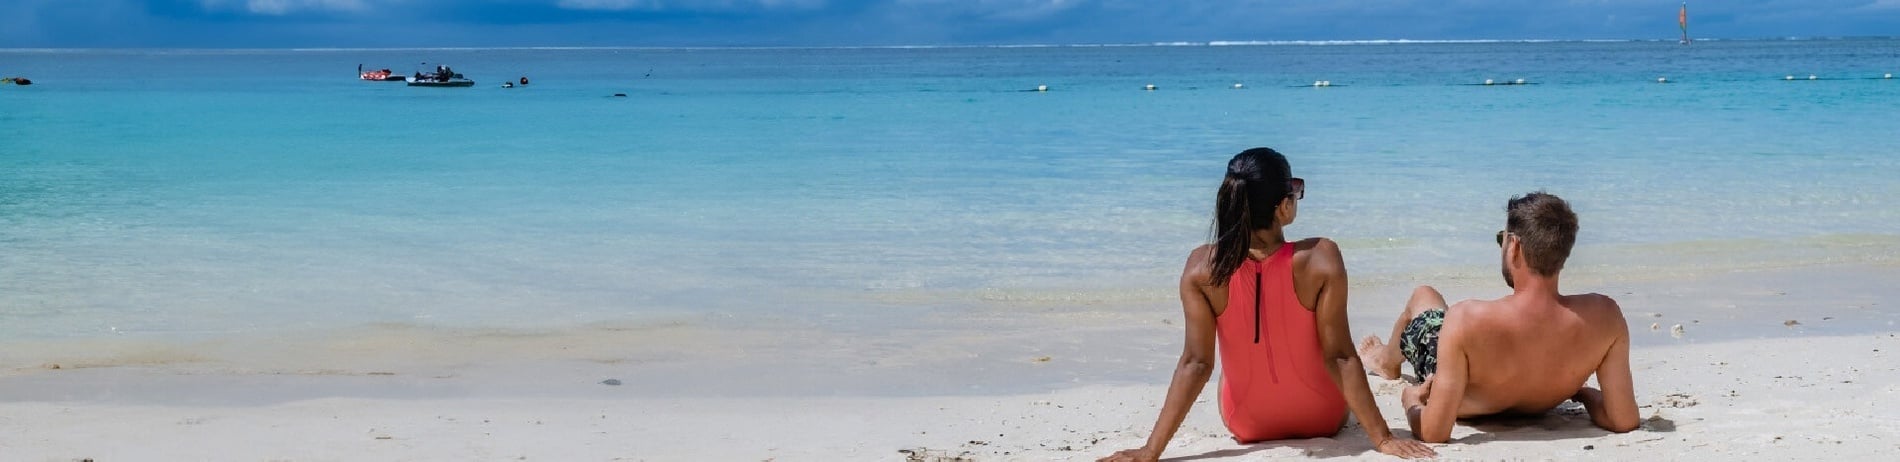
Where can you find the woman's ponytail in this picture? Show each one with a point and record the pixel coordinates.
(1248, 198)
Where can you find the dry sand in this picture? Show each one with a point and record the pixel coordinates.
(1741, 382)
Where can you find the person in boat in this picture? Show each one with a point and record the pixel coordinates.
(1521, 354)
(1275, 312)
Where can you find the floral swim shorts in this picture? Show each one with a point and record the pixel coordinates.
(1419, 342)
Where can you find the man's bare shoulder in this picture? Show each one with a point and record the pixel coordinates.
(1476, 307)
(1593, 301)
(1468, 315)
(1597, 308)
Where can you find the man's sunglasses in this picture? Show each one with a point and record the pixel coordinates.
(1501, 235)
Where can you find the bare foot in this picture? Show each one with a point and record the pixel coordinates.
(1378, 358)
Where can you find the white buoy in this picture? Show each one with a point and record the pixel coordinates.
(1319, 83)
(1150, 87)
(1487, 81)
(1042, 88)
(1789, 77)
(1239, 86)
(1888, 77)
(1520, 81)
(1662, 80)
(1325, 83)
(1810, 76)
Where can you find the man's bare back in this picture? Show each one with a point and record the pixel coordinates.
(1521, 354)
(1527, 356)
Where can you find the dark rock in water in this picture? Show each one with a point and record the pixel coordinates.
(612, 382)
(620, 95)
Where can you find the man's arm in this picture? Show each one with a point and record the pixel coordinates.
(1436, 408)
(1412, 400)
(1613, 408)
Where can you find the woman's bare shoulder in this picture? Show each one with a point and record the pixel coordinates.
(1318, 255)
(1200, 265)
(1317, 244)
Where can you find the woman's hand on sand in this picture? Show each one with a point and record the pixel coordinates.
(1133, 455)
(1406, 448)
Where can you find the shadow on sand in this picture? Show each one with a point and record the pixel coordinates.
(1317, 448)
(1566, 422)
(1350, 442)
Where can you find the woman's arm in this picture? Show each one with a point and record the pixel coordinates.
(1196, 365)
(1342, 360)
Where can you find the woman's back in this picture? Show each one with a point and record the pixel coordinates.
(1282, 343)
(1274, 380)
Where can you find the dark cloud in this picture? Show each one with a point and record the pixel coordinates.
(275, 23)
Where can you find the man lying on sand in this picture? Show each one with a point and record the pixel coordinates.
(1521, 354)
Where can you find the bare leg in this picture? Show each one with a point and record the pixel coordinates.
(1383, 358)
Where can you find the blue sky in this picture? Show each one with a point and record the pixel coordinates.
(372, 23)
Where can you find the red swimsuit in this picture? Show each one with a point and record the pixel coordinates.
(1274, 383)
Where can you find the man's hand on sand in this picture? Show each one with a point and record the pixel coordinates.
(1406, 448)
(1133, 455)
(1588, 397)
(1417, 393)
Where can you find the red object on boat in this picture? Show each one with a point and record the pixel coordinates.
(378, 75)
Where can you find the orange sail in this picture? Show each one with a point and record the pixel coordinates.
(1682, 19)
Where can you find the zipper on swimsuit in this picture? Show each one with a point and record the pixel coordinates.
(1256, 304)
(1272, 369)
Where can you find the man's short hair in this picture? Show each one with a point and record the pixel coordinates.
(1546, 229)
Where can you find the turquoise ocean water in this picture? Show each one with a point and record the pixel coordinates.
(200, 192)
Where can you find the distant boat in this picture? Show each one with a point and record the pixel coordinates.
(453, 81)
(443, 76)
(1682, 19)
(380, 75)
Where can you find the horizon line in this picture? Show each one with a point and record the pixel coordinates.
(1209, 43)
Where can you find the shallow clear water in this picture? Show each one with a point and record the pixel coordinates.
(199, 191)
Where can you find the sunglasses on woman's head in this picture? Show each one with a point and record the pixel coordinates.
(1296, 188)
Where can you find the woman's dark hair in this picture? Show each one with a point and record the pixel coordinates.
(1250, 194)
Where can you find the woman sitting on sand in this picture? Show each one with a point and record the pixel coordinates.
(1278, 311)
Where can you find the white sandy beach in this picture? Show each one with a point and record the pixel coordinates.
(1740, 383)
